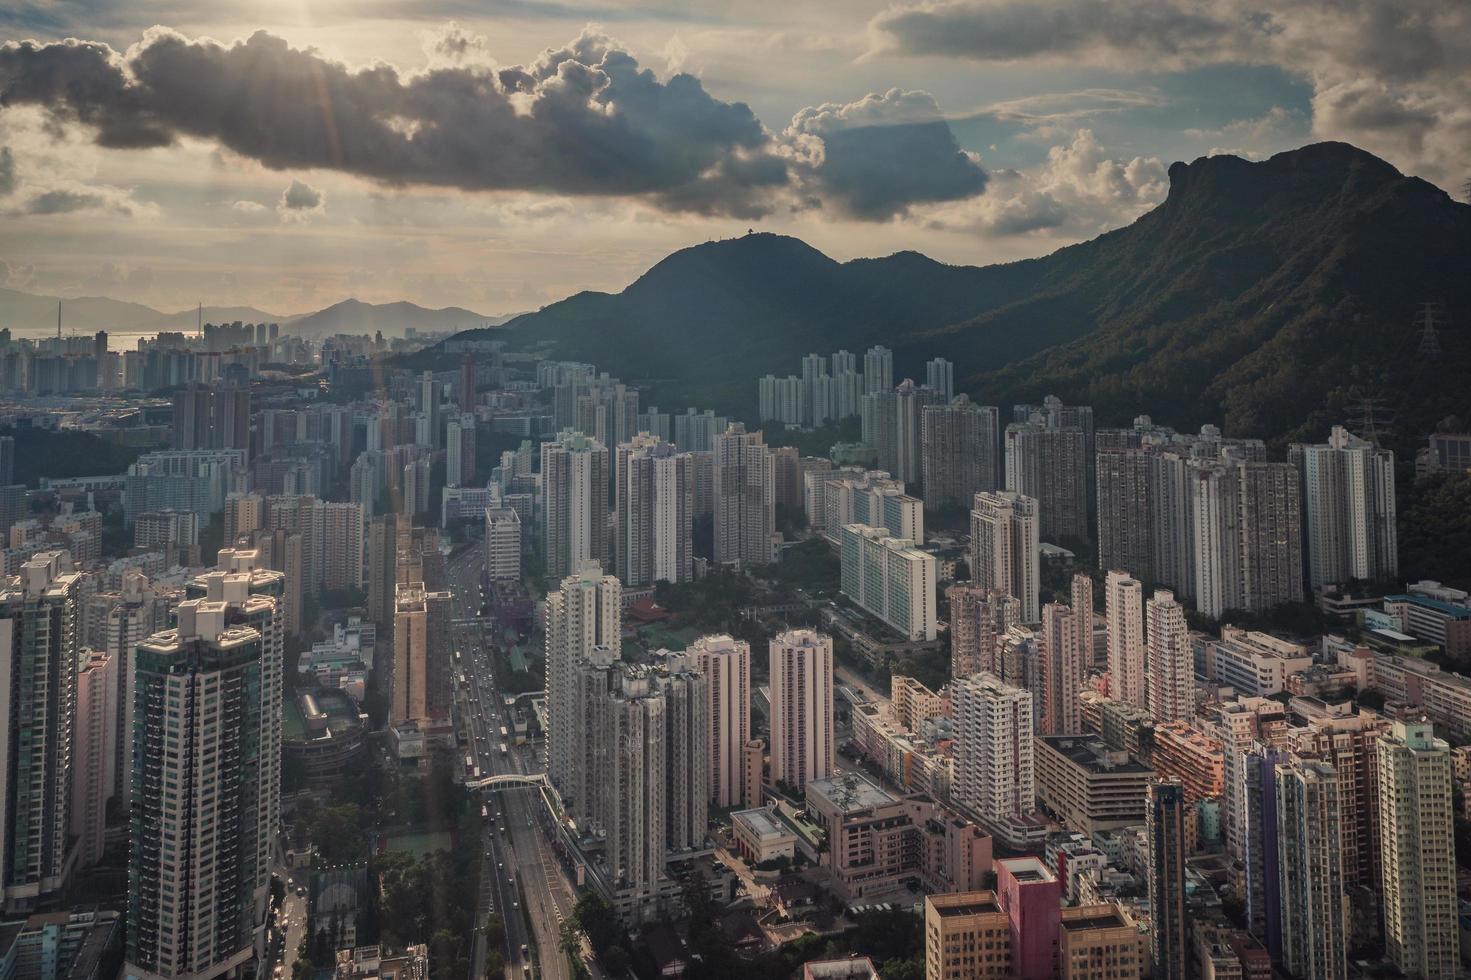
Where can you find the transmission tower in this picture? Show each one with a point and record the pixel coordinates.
(1369, 419)
(1430, 321)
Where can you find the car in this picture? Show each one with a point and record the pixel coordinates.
(525, 950)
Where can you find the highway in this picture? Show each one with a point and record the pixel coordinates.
(520, 877)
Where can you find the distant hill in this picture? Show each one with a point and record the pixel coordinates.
(356, 317)
(29, 315)
(1262, 295)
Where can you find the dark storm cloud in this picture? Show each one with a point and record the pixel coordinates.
(582, 120)
(7, 171)
(884, 153)
(63, 202)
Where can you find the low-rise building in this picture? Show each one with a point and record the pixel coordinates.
(1089, 786)
(372, 963)
(761, 836)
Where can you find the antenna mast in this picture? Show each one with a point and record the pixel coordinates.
(1430, 320)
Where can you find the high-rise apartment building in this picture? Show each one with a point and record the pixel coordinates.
(939, 377)
(1049, 464)
(1004, 546)
(502, 543)
(1125, 510)
(878, 414)
(586, 612)
(1310, 871)
(138, 614)
(459, 469)
(197, 900)
(421, 685)
(1164, 830)
(1417, 828)
(341, 558)
(211, 418)
(431, 412)
(959, 452)
(890, 578)
(655, 499)
(802, 707)
(878, 370)
(745, 498)
(607, 412)
(1124, 610)
(726, 664)
(995, 775)
(1065, 645)
(1348, 496)
(40, 617)
(574, 497)
(1170, 681)
(94, 770)
(1347, 740)
(417, 474)
(979, 619)
(910, 402)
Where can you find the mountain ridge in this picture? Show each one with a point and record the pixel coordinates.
(1318, 255)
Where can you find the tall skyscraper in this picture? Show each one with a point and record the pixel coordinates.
(958, 455)
(7, 460)
(586, 612)
(1170, 681)
(1417, 827)
(1262, 877)
(1310, 869)
(341, 558)
(431, 411)
(801, 707)
(40, 617)
(1125, 511)
(459, 470)
(655, 499)
(890, 578)
(979, 618)
(994, 771)
(1004, 548)
(878, 416)
(574, 494)
(1164, 826)
(1348, 740)
(1050, 465)
(1062, 673)
(878, 370)
(421, 686)
(939, 377)
(1348, 496)
(607, 412)
(726, 664)
(745, 498)
(197, 900)
(1124, 609)
(138, 614)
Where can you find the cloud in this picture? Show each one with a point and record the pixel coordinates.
(1388, 75)
(1080, 190)
(301, 201)
(583, 119)
(249, 207)
(876, 157)
(71, 198)
(7, 171)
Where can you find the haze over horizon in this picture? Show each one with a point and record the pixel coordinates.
(500, 162)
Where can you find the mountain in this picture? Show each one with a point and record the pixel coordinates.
(356, 317)
(1262, 295)
(29, 315)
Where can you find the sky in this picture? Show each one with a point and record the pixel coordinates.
(502, 154)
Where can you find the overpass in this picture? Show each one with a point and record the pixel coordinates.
(508, 780)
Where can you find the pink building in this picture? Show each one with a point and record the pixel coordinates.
(1031, 896)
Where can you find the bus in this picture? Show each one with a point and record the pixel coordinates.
(503, 733)
(469, 766)
(503, 748)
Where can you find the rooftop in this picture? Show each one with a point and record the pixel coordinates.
(1092, 753)
(849, 793)
(762, 822)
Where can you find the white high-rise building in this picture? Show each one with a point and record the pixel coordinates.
(890, 578)
(994, 771)
(1170, 683)
(1348, 495)
(655, 512)
(341, 563)
(1418, 852)
(1004, 547)
(40, 617)
(979, 619)
(1124, 609)
(136, 617)
(939, 375)
(781, 400)
(574, 496)
(459, 470)
(726, 664)
(745, 498)
(502, 543)
(878, 370)
(802, 707)
(586, 612)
